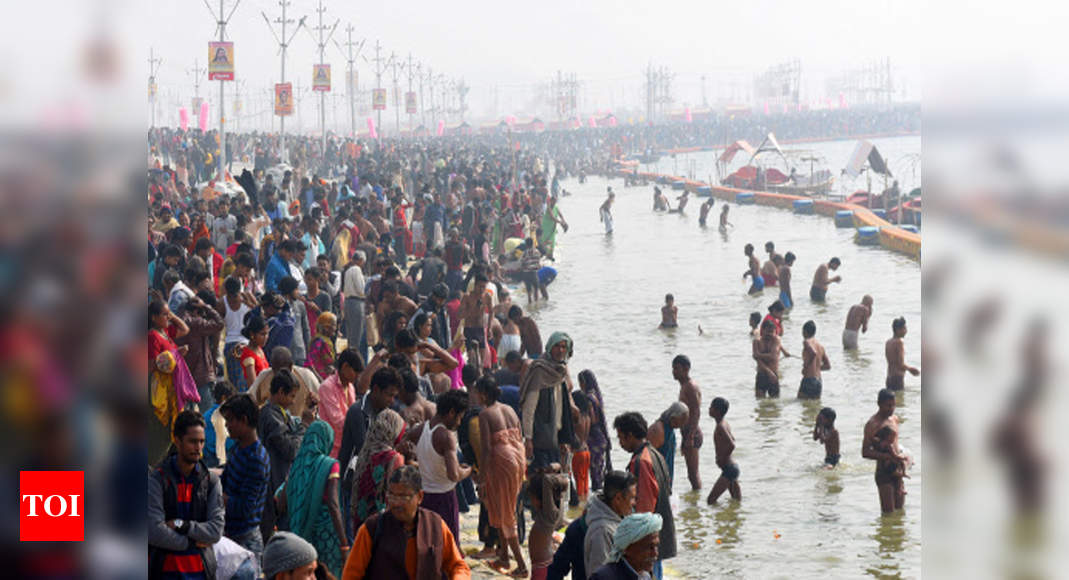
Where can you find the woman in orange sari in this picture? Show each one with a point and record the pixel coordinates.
(501, 472)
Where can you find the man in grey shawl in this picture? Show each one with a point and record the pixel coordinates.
(546, 405)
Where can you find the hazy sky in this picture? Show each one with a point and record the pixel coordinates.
(514, 46)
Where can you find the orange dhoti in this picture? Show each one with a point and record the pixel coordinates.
(502, 478)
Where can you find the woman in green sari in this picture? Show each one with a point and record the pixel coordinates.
(550, 219)
(310, 496)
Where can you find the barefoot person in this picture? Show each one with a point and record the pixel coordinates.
(502, 473)
(819, 290)
(605, 212)
(724, 223)
(703, 212)
(895, 351)
(691, 396)
(724, 442)
(669, 312)
(871, 448)
(766, 350)
(753, 271)
(857, 320)
(785, 295)
(770, 270)
(825, 432)
(814, 360)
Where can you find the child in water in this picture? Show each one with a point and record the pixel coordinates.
(669, 312)
(825, 432)
(755, 323)
(892, 470)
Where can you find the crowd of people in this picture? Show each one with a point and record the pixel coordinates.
(338, 369)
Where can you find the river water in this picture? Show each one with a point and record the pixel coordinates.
(795, 520)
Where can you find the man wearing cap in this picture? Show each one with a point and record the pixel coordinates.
(634, 550)
(289, 557)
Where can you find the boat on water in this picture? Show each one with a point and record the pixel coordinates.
(770, 169)
(868, 160)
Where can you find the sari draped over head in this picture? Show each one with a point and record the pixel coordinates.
(309, 517)
(368, 469)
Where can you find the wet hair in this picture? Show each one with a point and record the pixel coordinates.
(469, 374)
(515, 311)
(777, 306)
(455, 400)
(406, 338)
(283, 382)
(884, 394)
(681, 360)
(385, 378)
(616, 482)
(222, 390)
(287, 285)
(809, 328)
(789, 258)
(899, 322)
(582, 401)
(398, 361)
(631, 423)
(828, 413)
(749, 247)
(409, 380)
(721, 405)
(755, 318)
(668, 297)
(253, 325)
(232, 286)
(835, 261)
(407, 475)
(349, 357)
(185, 421)
(242, 407)
(487, 387)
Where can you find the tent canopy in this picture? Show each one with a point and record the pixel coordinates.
(865, 151)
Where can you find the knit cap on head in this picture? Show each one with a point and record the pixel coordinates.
(286, 551)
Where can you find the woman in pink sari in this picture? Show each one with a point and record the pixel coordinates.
(501, 472)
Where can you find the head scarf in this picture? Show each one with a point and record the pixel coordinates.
(381, 437)
(326, 318)
(308, 478)
(632, 529)
(557, 337)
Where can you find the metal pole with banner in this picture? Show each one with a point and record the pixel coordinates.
(283, 99)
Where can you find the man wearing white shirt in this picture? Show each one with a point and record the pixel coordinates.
(353, 286)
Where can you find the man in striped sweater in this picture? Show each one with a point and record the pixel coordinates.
(245, 475)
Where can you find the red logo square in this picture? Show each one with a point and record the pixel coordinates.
(51, 506)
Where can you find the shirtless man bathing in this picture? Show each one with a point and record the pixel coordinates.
(895, 350)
